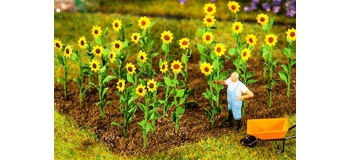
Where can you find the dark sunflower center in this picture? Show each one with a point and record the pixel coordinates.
(218, 49)
(176, 66)
(233, 7)
(116, 25)
(58, 45)
(96, 31)
(207, 37)
(209, 20)
(117, 45)
(210, 9)
(237, 27)
(151, 85)
(206, 69)
(94, 65)
(250, 40)
(262, 19)
(143, 23)
(120, 84)
(292, 34)
(166, 37)
(129, 69)
(140, 90)
(82, 43)
(111, 56)
(270, 39)
(98, 51)
(184, 43)
(244, 54)
(141, 57)
(163, 66)
(135, 37)
(67, 51)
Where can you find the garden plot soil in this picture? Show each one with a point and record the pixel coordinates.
(194, 124)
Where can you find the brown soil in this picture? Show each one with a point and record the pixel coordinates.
(194, 124)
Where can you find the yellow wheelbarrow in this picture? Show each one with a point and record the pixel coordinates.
(272, 129)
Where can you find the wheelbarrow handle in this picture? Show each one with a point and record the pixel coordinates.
(292, 127)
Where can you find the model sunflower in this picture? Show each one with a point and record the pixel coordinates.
(58, 44)
(82, 42)
(167, 37)
(152, 85)
(184, 42)
(233, 6)
(209, 9)
(141, 90)
(97, 51)
(237, 27)
(251, 40)
(219, 49)
(142, 56)
(262, 19)
(117, 45)
(208, 37)
(206, 68)
(144, 22)
(291, 34)
(121, 85)
(130, 68)
(245, 54)
(68, 51)
(94, 65)
(96, 31)
(270, 39)
(112, 55)
(135, 37)
(117, 25)
(176, 66)
(164, 67)
(209, 20)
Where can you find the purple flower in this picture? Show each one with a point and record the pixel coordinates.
(182, 1)
(266, 6)
(246, 9)
(276, 9)
(276, 2)
(212, 0)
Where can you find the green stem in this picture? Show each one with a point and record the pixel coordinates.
(289, 77)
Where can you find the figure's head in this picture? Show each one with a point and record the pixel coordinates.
(234, 77)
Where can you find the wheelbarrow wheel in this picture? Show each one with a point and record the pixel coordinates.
(249, 141)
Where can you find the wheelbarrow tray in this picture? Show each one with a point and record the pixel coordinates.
(268, 129)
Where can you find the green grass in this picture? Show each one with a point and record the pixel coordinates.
(72, 142)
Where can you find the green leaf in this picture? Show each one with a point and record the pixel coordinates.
(250, 74)
(180, 110)
(208, 113)
(265, 54)
(152, 23)
(60, 80)
(165, 47)
(161, 101)
(181, 83)
(129, 78)
(60, 59)
(116, 124)
(160, 62)
(167, 81)
(292, 62)
(76, 58)
(201, 49)
(154, 55)
(180, 93)
(232, 51)
(285, 68)
(265, 27)
(98, 40)
(266, 65)
(108, 78)
(203, 57)
(143, 34)
(173, 117)
(184, 58)
(283, 76)
(216, 65)
(143, 107)
(217, 110)
(160, 84)
(182, 100)
(105, 32)
(218, 87)
(170, 58)
(271, 21)
(128, 25)
(190, 92)
(143, 123)
(223, 75)
(77, 80)
(230, 58)
(287, 52)
(104, 91)
(200, 32)
(250, 81)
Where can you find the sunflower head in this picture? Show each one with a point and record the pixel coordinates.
(141, 90)
(233, 6)
(117, 45)
(184, 42)
(262, 19)
(209, 8)
(152, 85)
(245, 54)
(251, 40)
(96, 31)
(176, 66)
(68, 51)
(58, 44)
(117, 25)
(209, 20)
(208, 37)
(82, 42)
(142, 56)
(144, 22)
(130, 68)
(206, 68)
(112, 55)
(135, 37)
(94, 65)
(219, 49)
(167, 37)
(291, 34)
(121, 85)
(271, 39)
(97, 51)
(237, 27)
(164, 67)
